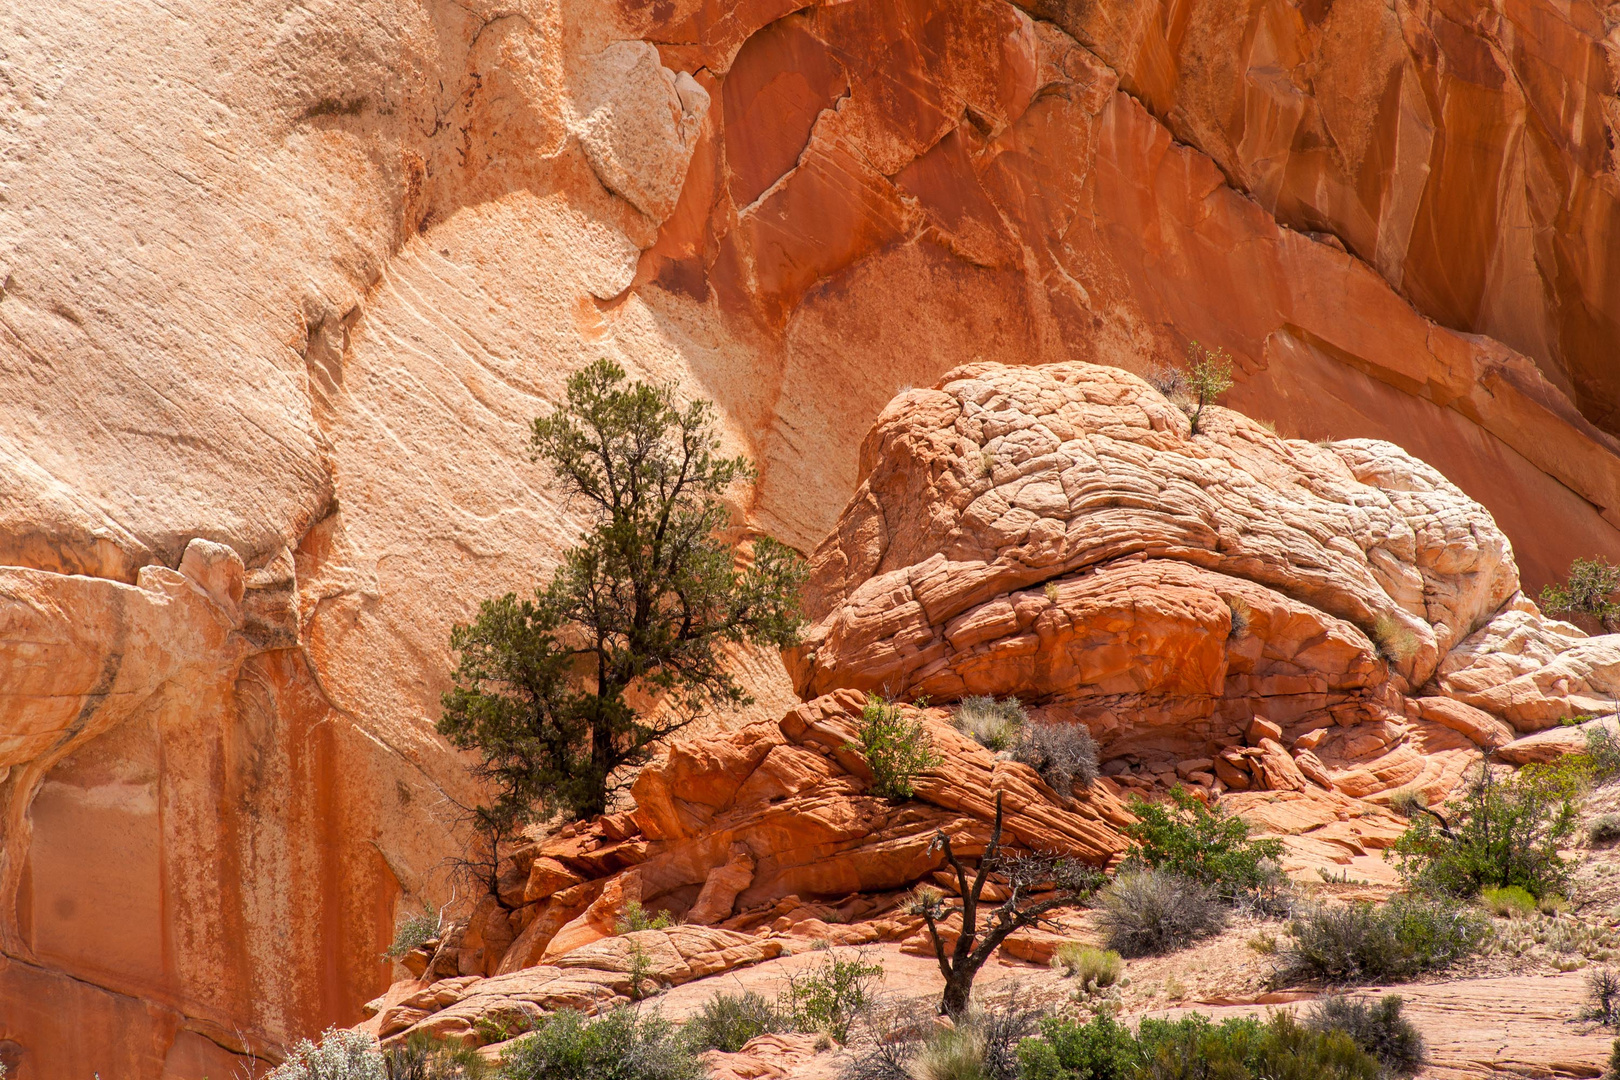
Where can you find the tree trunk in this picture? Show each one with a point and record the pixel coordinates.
(958, 988)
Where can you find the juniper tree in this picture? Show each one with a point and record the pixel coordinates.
(640, 611)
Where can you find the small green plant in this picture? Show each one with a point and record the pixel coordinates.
(1552, 905)
(622, 1044)
(992, 724)
(1092, 966)
(1396, 643)
(1202, 843)
(1152, 912)
(641, 973)
(1207, 377)
(1363, 942)
(635, 917)
(1604, 830)
(1613, 1071)
(414, 932)
(501, 1026)
(1051, 592)
(896, 749)
(1242, 616)
(951, 1054)
(728, 1021)
(1589, 590)
(1376, 1027)
(340, 1055)
(1603, 997)
(1509, 902)
(831, 996)
(1505, 830)
(1064, 754)
(1264, 942)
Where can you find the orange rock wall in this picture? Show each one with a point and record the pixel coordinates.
(295, 282)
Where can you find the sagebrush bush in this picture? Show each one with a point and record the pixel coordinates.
(1201, 842)
(1510, 902)
(1365, 942)
(992, 724)
(1092, 966)
(416, 931)
(727, 1021)
(622, 1044)
(1377, 1027)
(831, 996)
(340, 1055)
(896, 749)
(1152, 912)
(427, 1057)
(1064, 754)
(1504, 830)
(1192, 1048)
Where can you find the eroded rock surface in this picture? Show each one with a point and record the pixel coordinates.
(292, 282)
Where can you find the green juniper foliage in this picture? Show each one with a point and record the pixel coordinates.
(1505, 830)
(643, 607)
(1589, 590)
(1201, 843)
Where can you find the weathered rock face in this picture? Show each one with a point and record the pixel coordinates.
(291, 280)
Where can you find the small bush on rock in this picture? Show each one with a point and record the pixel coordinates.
(895, 748)
(340, 1055)
(1603, 997)
(1365, 942)
(727, 1021)
(1589, 590)
(634, 918)
(1511, 902)
(1396, 643)
(1377, 1027)
(1152, 912)
(1062, 753)
(1201, 842)
(831, 996)
(993, 724)
(623, 1044)
(414, 932)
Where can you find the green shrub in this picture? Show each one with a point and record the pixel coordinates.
(1604, 830)
(1093, 967)
(1365, 942)
(1152, 912)
(727, 1021)
(1202, 843)
(1377, 1027)
(1589, 590)
(1208, 375)
(830, 997)
(427, 1057)
(340, 1055)
(1602, 756)
(1507, 903)
(414, 932)
(896, 749)
(1613, 1071)
(1504, 831)
(622, 1044)
(1062, 753)
(993, 724)
(1192, 1048)
(634, 917)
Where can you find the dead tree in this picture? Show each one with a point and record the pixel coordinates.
(1067, 882)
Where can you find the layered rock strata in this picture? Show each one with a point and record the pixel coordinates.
(293, 282)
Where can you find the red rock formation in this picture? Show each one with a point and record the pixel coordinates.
(295, 284)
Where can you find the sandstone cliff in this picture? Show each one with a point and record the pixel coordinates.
(281, 284)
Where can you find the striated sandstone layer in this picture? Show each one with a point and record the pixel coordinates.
(291, 279)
